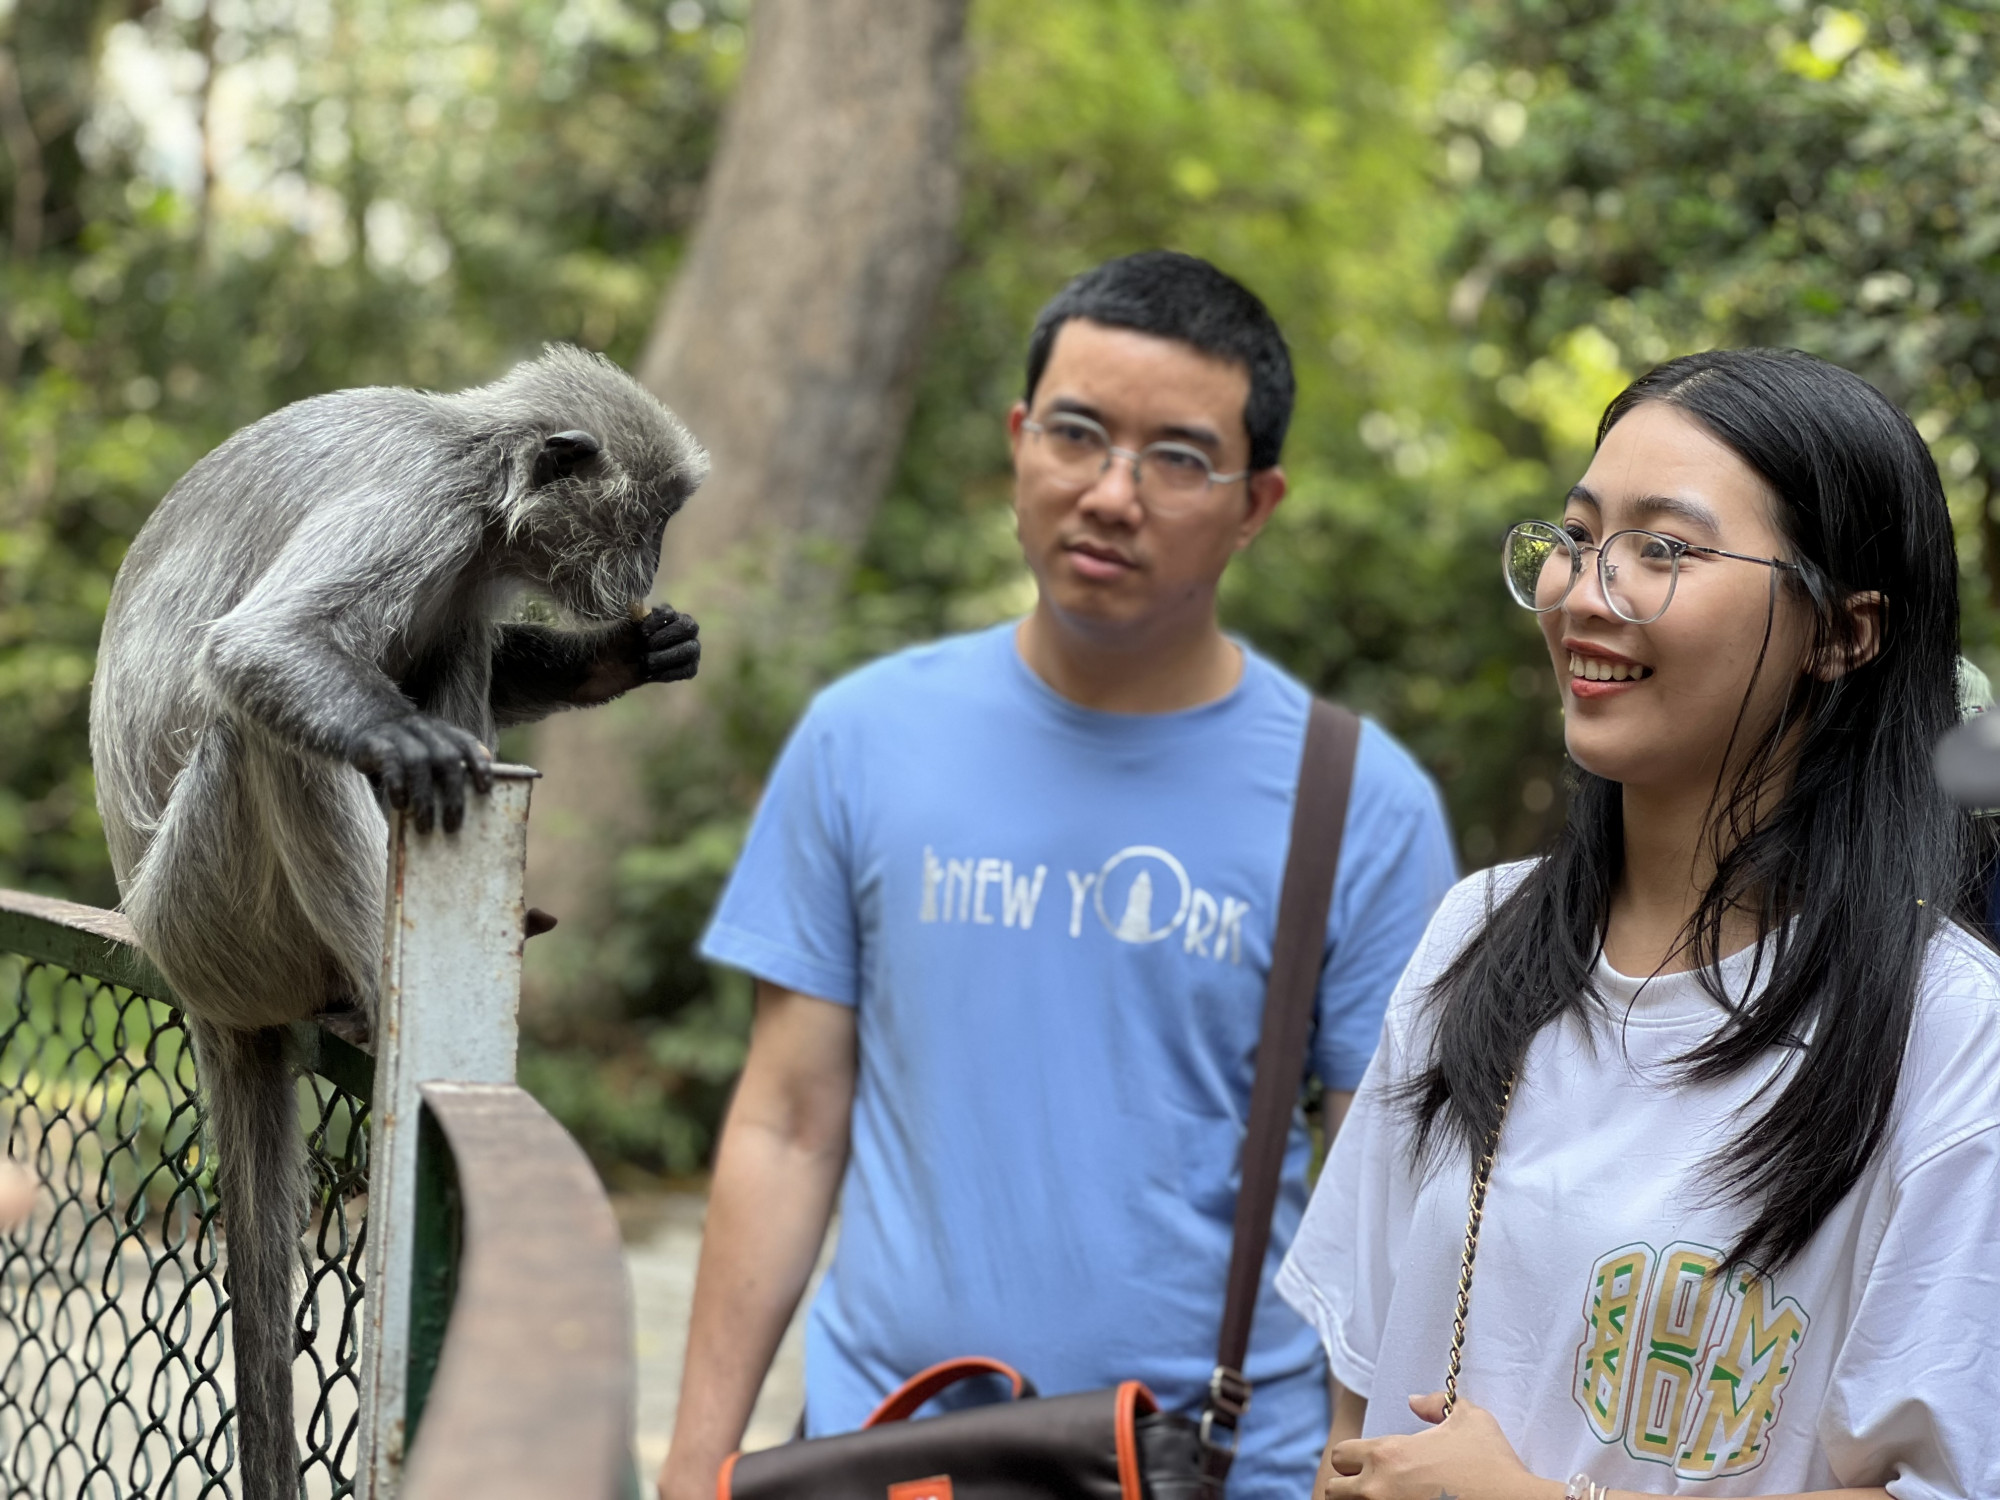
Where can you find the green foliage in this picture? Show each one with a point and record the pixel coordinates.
(1291, 145)
(1475, 232)
(400, 193)
(1640, 181)
(1285, 142)
(1475, 223)
(420, 194)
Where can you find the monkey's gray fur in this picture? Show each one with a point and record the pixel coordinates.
(312, 622)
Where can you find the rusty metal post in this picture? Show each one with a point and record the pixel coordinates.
(451, 983)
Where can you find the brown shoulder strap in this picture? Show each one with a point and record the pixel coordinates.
(1319, 817)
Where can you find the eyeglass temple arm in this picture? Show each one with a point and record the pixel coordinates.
(1769, 562)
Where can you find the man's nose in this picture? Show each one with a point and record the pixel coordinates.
(1115, 494)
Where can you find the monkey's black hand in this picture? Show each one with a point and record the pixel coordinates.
(420, 765)
(671, 642)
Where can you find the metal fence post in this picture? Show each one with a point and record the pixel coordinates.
(451, 982)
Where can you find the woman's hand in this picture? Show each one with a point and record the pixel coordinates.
(1463, 1457)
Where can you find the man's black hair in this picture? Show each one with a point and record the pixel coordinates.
(1181, 297)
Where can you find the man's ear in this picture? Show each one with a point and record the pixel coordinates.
(1265, 488)
(1864, 611)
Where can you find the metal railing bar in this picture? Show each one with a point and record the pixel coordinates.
(446, 1010)
(335, 1059)
(85, 940)
(438, 1233)
(97, 944)
(532, 1398)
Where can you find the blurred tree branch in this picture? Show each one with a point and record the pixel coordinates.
(789, 344)
(24, 150)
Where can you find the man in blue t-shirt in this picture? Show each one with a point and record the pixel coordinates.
(1009, 901)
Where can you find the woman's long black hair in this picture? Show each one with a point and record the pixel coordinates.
(1850, 871)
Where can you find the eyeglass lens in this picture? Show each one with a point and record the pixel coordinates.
(1636, 568)
(1078, 451)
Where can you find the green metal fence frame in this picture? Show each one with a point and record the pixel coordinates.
(100, 945)
(91, 944)
(496, 1354)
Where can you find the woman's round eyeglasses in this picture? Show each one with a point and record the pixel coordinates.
(1170, 477)
(1636, 570)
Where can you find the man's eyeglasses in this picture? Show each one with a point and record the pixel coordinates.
(1636, 570)
(1171, 478)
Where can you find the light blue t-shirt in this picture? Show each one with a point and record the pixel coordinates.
(1055, 926)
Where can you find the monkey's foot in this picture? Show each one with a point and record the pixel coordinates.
(350, 1023)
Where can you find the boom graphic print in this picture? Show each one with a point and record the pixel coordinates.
(1684, 1365)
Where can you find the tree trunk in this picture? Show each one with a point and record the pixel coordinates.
(789, 345)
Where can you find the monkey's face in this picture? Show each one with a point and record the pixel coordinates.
(597, 558)
(595, 467)
(592, 527)
(599, 583)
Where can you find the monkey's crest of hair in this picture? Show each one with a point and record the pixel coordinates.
(596, 532)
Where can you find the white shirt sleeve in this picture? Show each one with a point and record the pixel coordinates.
(1340, 1274)
(1341, 1270)
(1915, 1385)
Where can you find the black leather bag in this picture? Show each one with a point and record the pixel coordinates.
(1113, 1444)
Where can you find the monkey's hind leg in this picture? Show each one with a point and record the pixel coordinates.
(331, 841)
(212, 903)
(261, 1180)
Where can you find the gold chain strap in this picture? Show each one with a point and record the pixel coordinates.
(1482, 1174)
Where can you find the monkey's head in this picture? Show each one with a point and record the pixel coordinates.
(595, 467)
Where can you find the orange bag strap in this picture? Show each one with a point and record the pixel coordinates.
(1135, 1400)
(923, 1385)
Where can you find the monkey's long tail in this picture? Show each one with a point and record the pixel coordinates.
(261, 1177)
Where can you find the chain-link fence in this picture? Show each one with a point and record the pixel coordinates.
(114, 1349)
(493, 1353)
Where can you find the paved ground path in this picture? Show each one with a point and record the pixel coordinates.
(662, 1239)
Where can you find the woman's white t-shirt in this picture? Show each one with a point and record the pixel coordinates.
(1597, 1337)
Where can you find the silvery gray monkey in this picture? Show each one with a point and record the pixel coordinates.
(311, 623)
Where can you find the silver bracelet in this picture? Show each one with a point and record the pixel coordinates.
(1583, 1487)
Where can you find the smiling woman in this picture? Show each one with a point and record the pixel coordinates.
(1610, 627)
(1727, 1055)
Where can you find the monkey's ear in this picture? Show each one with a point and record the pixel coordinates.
(563, 453)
